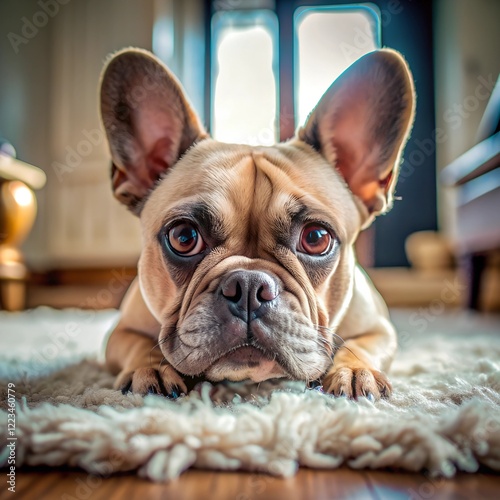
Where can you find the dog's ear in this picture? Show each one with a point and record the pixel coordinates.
(361, 125)
(148, 120)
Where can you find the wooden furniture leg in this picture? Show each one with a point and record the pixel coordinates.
(474, 266)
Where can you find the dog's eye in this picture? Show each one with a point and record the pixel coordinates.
(315, 240)
(185, 240)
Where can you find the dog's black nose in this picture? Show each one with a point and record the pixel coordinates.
(246, 292)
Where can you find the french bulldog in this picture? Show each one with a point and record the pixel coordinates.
(248, 269)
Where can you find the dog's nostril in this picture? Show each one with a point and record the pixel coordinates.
(233, 293)
(266, 293)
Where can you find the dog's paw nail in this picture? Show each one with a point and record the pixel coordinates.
(175, 392)
(126, 388)
(370, 397)
(315, 384)
(342, 395)
(152, 390)
(385, 393)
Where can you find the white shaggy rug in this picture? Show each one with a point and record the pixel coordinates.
(443, 417)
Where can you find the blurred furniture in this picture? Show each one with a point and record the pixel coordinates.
(17, 215)
(476, 177)
(434, 283)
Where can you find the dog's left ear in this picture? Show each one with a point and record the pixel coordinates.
(361, 125)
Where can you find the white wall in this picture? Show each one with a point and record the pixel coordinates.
(49, 111)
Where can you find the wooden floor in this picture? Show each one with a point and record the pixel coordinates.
(344, 483)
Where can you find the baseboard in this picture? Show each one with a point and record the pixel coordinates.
(75, 277)
(84, 288)
(400, 287)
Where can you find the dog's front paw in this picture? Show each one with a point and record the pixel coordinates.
(357, 382)
(148, 380)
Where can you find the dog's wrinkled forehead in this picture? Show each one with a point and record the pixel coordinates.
(239, 189)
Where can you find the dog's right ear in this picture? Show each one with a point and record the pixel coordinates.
(148, 120)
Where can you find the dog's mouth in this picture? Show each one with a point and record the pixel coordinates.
(246, 355)
(245, 362)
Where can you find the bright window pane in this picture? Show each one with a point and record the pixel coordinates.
(244, 82)
(328, 41)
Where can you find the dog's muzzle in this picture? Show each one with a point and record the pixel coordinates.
(248, 325)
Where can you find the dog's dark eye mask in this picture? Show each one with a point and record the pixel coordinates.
(192, 231)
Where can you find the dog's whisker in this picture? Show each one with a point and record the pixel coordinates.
(164, 360)
(185, 358)
(335, 347)
(330, 331)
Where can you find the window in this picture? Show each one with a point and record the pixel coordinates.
(327, 41)
(244, 77)
(245, 73)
